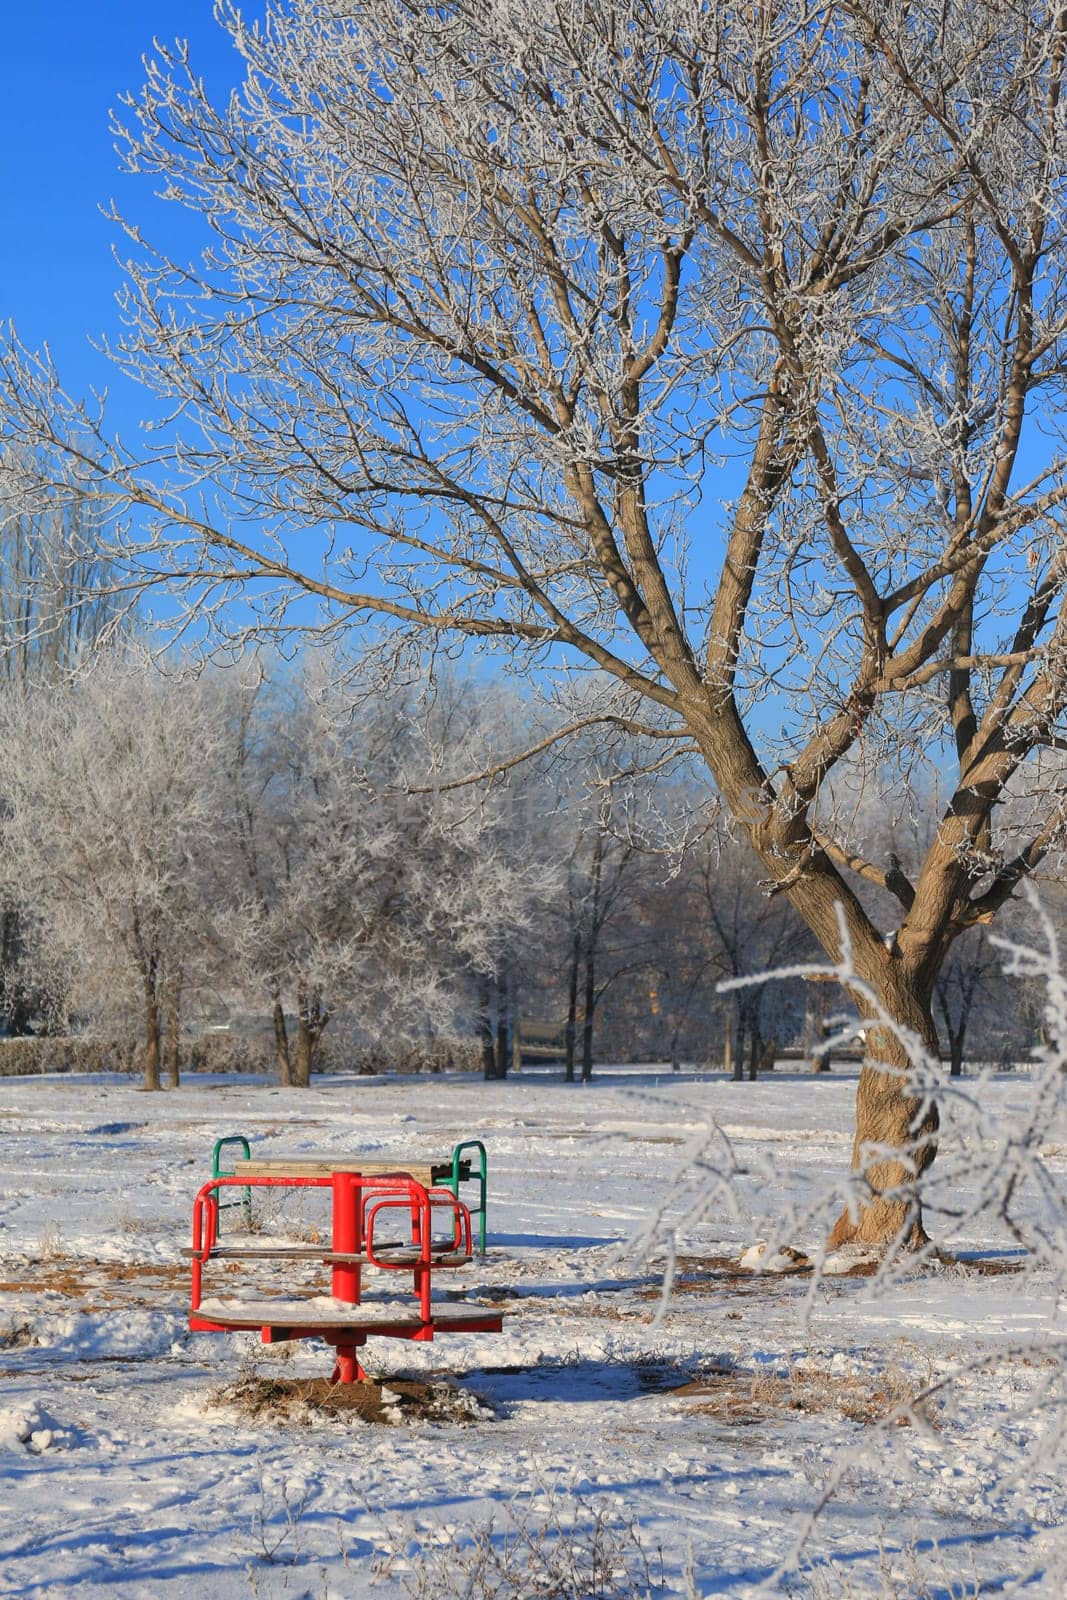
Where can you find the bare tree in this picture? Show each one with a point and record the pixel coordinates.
(495, 828)
(370, 881)
(601, 868)
(601, 831)
(58, 602)
(59, 595)
(250, 781)
(746, 932)
(113, 808)
(501, 301)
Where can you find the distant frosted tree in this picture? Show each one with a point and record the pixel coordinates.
(59, 599)
(111, 786)
(59, 594)
(369, 881)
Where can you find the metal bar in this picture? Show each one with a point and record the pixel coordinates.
(454, 1182)
(216, 1170)
(347, 1368)
(346, 1236)
(206, 1205)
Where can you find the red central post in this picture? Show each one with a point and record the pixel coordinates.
(347, 1368)
(346, 1236)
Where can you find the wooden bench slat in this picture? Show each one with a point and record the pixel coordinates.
(424, 1172)
(404, 1258)
(368, 1316)
(281, 1252)
(333, 1258)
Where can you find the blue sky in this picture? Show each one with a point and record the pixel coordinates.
(63, 68)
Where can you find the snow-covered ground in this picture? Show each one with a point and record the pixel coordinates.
(717, 1426)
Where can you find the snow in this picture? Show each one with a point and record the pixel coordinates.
(718, 1425)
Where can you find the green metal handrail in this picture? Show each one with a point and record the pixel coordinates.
(218, 1172)
(453, 1184)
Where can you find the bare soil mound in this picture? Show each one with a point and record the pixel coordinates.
(395, 1402)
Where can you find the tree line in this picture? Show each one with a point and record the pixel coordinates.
(310, 847)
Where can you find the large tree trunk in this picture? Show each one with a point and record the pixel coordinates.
(900, 972)
(889, 1114)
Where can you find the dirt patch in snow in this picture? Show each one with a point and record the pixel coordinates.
(745, 1398)
(97, 1285)
(707, 1274)
(699, 1275)
(71, 1275)
(394, 1403)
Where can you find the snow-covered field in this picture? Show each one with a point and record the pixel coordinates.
(717, 1428)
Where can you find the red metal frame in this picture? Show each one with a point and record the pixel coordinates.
(356, 1203)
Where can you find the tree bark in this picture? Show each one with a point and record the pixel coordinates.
(571, 1036)
(890, 1115)
(737, 1054)
(485, 1027)
(172, 1040)
(311, 1020)
(501, 1066)
(755, 1051)
(281, 1045)
(589, 1011)
(151, 1054)
(588, 1016)
(305, 1050)
(17, 999)
(814, 1018)
(955, 1035)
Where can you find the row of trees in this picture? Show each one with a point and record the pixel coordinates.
(304, 845)
(183, 840)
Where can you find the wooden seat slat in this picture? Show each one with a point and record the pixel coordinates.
(333, 1258)
(424, 1172)
(368, 1317)
(404, 1258)
(295, 1252)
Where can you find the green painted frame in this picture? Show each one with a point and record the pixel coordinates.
(481, 1177)
(218, 1172)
